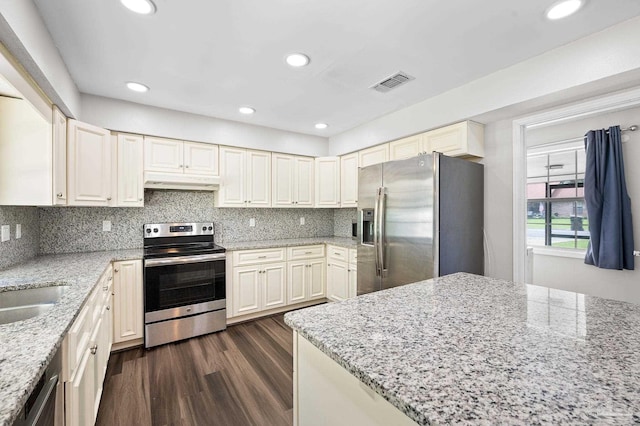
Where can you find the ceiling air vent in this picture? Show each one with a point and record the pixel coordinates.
(391, 82)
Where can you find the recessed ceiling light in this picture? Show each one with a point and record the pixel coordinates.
(143, 7)
(246, 110)
(564, 8)
(137, 87)
(297, 60)
(321, 126)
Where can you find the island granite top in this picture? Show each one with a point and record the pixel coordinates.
(470, 349)
(27, 347)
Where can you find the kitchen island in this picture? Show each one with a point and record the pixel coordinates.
(467, 349)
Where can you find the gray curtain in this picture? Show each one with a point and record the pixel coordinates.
(608, 203)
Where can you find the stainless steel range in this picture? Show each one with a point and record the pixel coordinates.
(184, 282)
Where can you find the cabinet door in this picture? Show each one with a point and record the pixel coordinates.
(89, 164)
(337, 281)
(258, 170)
(303, 182)
(374, 155)
(245, 289)
(130, 170)
(200, 158)
(232, 172)
(103, 349)
(163, 155)
(80, 393)
(316, 279)
(59, 157)
(461, 139)
(406, 148)
(282, 180)
(274, 285)
(127, 301)
(328, 182)
(297, 282)
(349, 180)
(353, 281)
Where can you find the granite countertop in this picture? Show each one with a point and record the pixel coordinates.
(27, 347)
(469, 349)
(290, 242)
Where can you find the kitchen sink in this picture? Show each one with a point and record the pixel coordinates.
(19, 305)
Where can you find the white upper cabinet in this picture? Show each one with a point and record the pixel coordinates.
(374, 155)
(130, 172)
(457, 140)
(163, 155)
(89, 159)
(200, 158)
(59, 158)
(174, 156)
(408, 147)
(328, 182)
(246, 178)
(349, 180)
(292, 180)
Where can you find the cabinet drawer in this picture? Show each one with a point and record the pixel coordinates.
(353, 256)
(305, 252)
(249, 257)
(78, 338)
(338, 253)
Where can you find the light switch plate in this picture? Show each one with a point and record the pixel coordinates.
(302, 221)
(6, 233)
(106, 226)
(18, 231)
(252, 222)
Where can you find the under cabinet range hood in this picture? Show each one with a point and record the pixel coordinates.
(158, 180)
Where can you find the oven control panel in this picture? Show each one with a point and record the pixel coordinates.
(156, 230)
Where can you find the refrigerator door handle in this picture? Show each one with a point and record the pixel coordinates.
(376, 220)
(382, 196)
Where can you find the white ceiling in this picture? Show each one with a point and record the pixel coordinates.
(209, 57)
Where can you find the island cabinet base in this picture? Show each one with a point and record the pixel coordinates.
(326, 394)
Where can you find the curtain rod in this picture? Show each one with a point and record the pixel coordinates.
(632, 128)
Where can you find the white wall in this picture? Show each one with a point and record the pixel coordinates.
(572, 274)
(25, 35)
(602, 55)
(498, 200)
(136, 118)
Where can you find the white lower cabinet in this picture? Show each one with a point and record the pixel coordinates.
(86, 351)
(258, 287)
(342, 273)
(305, 280)
(128, 311)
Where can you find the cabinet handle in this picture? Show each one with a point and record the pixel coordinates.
(108, 308)
(116, 270)
(293, 202)
(262, 257)
(108, 198)
(308, 252)
(139, 199)
(110, 278)
(105, 288)
(59, 195)
(249, 201)
(181, 166)
(93, 349)
(186, 167)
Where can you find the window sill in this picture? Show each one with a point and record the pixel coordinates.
(559, 252)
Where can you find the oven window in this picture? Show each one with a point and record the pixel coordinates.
(187, 284)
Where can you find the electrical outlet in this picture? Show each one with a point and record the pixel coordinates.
(302, 221)
(252, 222)
(106, 226)
(6, 233)
(18, 231)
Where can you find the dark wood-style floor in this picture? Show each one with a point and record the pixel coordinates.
(241, 376)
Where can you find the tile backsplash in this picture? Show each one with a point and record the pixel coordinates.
(342, 220)
(16, 251)
(75, 229)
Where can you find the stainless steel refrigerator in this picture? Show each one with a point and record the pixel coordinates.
(419, 218)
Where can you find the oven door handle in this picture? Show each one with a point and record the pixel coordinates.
(183, 260)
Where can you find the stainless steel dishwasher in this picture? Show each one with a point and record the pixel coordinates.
(45, 404)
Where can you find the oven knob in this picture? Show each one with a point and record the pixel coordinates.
(204, 228)
(211, 228)
(155, 229)
(148, 230)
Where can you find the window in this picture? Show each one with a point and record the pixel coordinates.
(556, 211)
